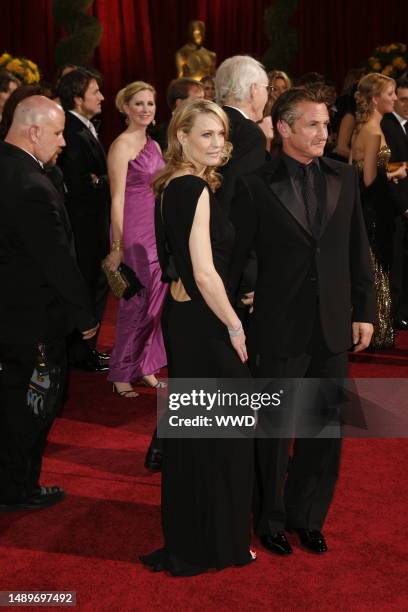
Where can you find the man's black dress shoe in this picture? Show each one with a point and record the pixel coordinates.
(101, 356)
(312, 539)
(42, 497)
(153, 460)
(401, 324)
(276, 543)
(91, 365)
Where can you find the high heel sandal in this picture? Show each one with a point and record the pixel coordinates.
(159, 384)
(125, 393)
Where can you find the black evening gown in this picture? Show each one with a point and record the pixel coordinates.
(379, 220)
(206, 483)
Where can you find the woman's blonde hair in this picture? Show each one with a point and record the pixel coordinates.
(125, 95)
(272, 76)
(279, 74)
(369, 86)
(183, 119)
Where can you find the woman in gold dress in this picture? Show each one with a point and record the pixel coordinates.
(375, 96)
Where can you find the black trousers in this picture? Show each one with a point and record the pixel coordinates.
(399, 269)
(23, 436)
(92, 245)
(297, 493)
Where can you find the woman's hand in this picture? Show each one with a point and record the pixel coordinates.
(248, 300)
(398, 174)
(114, 259)
(238, 342)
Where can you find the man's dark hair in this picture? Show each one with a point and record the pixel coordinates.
(285, 107)
(73, 85)
(402, 83)
(6, 78)
(179, 90)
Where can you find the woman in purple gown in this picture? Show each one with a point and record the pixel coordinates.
(133, 159)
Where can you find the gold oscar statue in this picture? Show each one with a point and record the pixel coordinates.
(193, 60)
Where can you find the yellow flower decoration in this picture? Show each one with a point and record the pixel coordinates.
(15, 66)
(399, 62)
(387, 70)
(6, 57)
(26, 70)
(390, 60)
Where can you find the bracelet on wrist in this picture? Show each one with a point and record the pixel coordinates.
(117, 246)
(235, 331)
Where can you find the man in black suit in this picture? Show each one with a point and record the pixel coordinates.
(83, 163)
(241, 86)
(43, 297)
(395, 128)
(314, 297)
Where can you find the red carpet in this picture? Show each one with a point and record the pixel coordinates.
(91, 542)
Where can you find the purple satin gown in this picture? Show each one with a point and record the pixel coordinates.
(139, 348)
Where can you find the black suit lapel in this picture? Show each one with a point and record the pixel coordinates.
(94, 144)
(281, 185)
(76, 125)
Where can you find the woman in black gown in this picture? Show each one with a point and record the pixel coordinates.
(206, 483)
(369, 151)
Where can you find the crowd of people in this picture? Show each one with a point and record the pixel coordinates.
(242, 218)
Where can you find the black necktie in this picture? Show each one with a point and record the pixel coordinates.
(405, 126)
(310, 199)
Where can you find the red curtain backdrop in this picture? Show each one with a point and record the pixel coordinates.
(141, 36)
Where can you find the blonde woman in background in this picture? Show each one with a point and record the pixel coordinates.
(133, 160)
(375, 96)
(279, 82)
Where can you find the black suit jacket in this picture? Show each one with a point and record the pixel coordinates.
(294, 267)
(83, 156)
(248, 153)
(397, 140)
(43, 295)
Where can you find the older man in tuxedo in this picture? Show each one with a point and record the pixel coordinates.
(241, 86)
(43, 298)
(314, 298)
(395, 128)
(83, 163)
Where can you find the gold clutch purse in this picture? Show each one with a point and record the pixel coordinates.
(123, 283)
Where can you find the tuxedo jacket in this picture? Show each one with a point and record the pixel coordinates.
(82, 156)
(397, 140)
(43, 295)
(299, 275)
(248, 153)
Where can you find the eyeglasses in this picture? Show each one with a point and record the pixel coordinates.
(268, 87)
